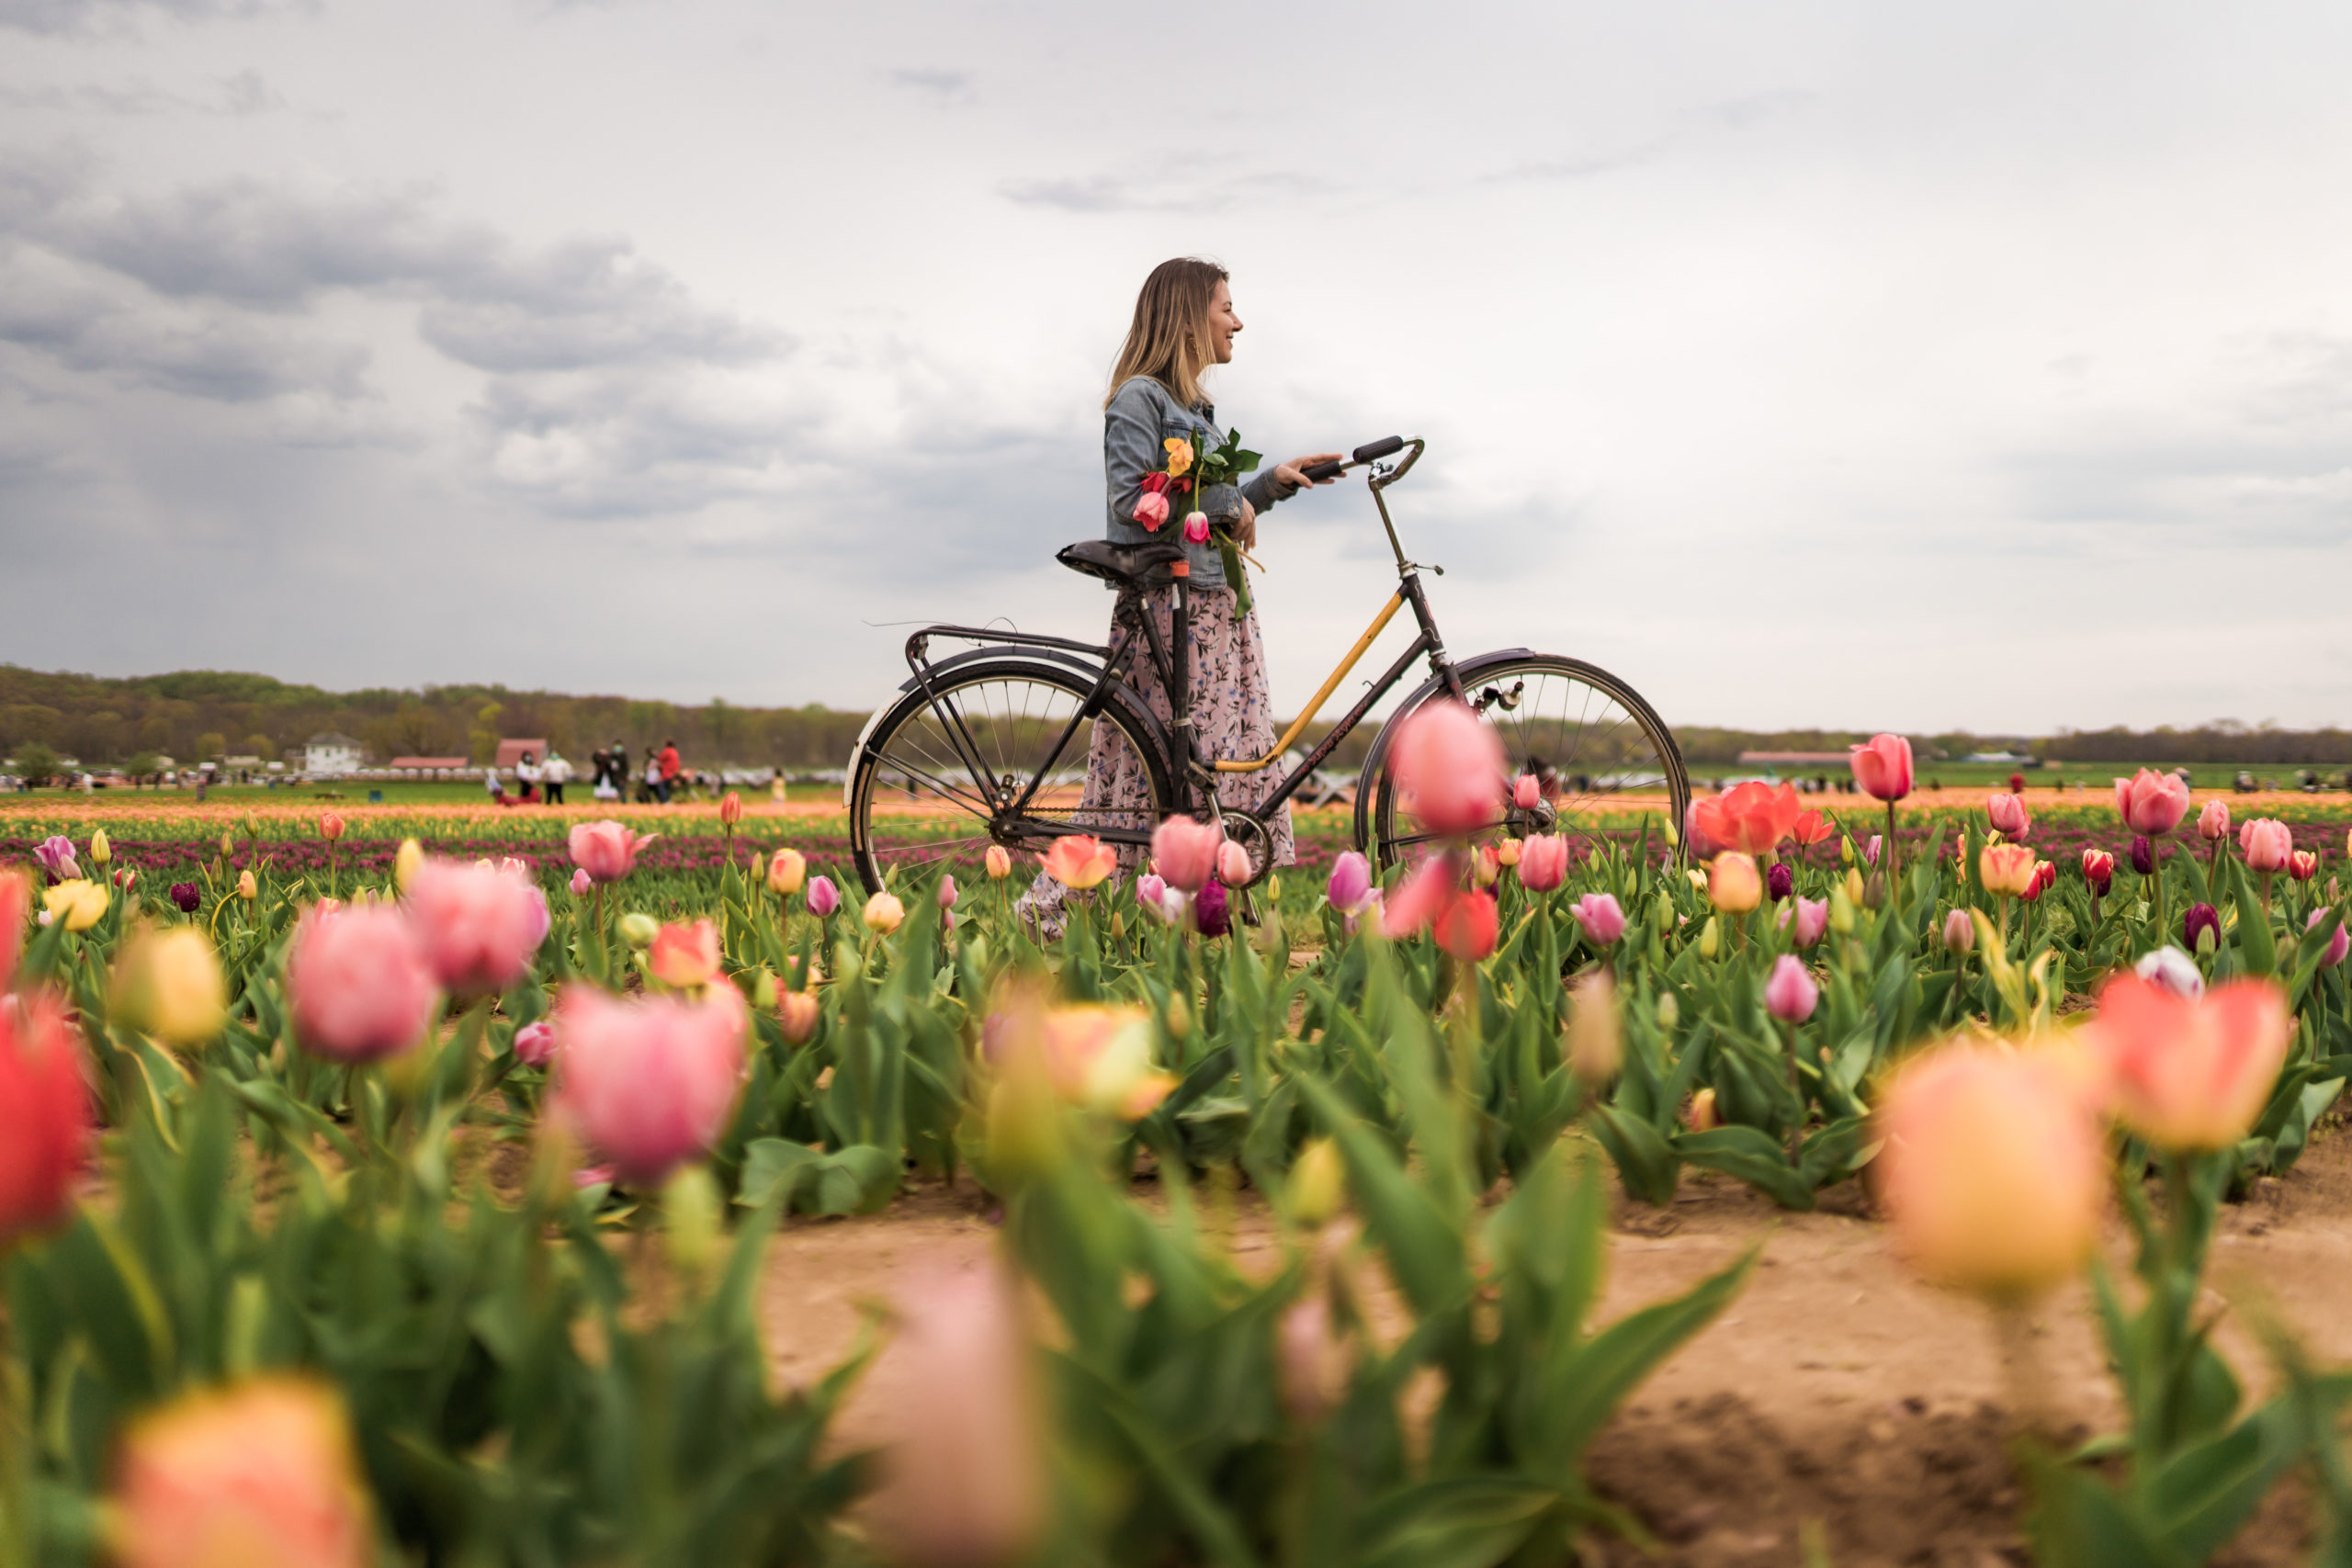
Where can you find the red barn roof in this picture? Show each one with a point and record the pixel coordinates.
(511, 752)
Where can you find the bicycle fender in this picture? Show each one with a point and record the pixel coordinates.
(1368, 780)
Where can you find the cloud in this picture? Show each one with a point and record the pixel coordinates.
(945, 86)
(100, 16)
(1159, 191)
(246, 93)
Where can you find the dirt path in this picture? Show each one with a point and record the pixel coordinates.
(1836, 1392)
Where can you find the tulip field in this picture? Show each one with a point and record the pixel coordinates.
(1813, 1179)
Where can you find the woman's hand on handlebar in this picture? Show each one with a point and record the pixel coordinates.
(1292, 472)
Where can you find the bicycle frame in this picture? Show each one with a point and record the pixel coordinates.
(1196, 776)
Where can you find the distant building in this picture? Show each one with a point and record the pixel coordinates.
(331, 756)
(428, 766)
(511, 752)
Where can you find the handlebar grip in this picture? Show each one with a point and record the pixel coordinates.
(1318, 472)
(1381, 448)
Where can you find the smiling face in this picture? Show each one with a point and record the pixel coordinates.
(1223, 325)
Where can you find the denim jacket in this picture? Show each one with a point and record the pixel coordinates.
(1142, 415)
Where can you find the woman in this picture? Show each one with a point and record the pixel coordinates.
(1185, 324)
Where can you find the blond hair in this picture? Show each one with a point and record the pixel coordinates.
(1169, 338)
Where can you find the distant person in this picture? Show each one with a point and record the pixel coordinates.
(527, 777)
(490, 781)
(652, 794)
(555, 772)
(612, 772)
(670, 768)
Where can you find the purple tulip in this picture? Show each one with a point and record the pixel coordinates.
(1351, 882)
(1212, 913)
(2201, 919)
(1780, 882)
(184, 895)
(2339, 946)
(56, 856)
(2144, 856)
(823, 896)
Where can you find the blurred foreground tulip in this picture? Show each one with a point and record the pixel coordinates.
(79, 903)
(2150, 802)
(1184, 853)
(259, 1474)
(478, 928)
(1733, 885)
(2173, 970)
(1993, 1169)
(358, 983)
(1467, 926)
(15, 908)
(1544, 862)
(683, 954)
(2192, 1073)
(1081, 861)
(1101, 1057)
(405, 859)
(607, 851)
(796, 1011)
(648, 1083)
(1450, 768)
(168, 984)
(966, 1482)
(46, 1123)
(1596, 1043)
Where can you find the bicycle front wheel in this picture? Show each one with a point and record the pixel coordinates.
(995, 753)
(1609, 765)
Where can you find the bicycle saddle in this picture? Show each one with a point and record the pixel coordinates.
(1124, 564)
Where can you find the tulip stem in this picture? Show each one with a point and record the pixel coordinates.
(1796, 1090)
(2023, 1366)
(16, 1446)
(1886, 861)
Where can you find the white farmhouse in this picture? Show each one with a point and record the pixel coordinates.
(331, 756)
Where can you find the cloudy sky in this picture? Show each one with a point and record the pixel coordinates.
(1847, 363)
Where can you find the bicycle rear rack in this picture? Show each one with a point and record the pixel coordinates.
(919, 645)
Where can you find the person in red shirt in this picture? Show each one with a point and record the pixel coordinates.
(669, 770)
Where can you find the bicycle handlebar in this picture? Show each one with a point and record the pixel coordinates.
(1370, 451)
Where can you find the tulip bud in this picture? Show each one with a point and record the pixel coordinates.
(168, 984)
(1709, 942)
(1662, 914)
(1780, 882)
(1317, 1182)
(2144, 856)
(228, 843)
(1959, 931)
(2339, 946)
(1704, 1117)
(1507, 852)
(730, 808)
(2214, 822)
(247, 888)
(797, 1011)
(691, 1213)
(822, 896)
(330, 826)
(1846, 849)
(1596, 1044)
(1874, 891)
(1669, 1012)
(1180, 1017)
(534, 1043)
(1854, 887)
(1732, 883)
(1841, 911)
(639, 930)
(405, 861)
(2201, 928)
(999, 863)
(582, 883)
(101, 851)
(252, 826)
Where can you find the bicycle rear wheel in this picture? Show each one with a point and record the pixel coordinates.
(928, 790)
(1608, 765)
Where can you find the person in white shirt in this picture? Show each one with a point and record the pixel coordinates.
(526, 773)
(555, 772)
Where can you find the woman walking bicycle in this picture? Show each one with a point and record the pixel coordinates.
(1185, 324)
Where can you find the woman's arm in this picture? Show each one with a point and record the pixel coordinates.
(1130, 447)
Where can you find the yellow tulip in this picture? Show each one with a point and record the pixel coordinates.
(1179, 456)
(1317, 1182)
(2007, 869)
(247, 888)
(169, 985)
(1733, 883)
(787, 869)
(78, 903)
(884, 913)
(1711, 939)
(101, 852)
(1596, 1043)
(405, 862)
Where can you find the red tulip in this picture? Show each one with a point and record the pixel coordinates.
(2303, 866)
(2152, 802)
(1450, 768)
(1750, 818)
(2267, 844)
(2098, 869)
(1811, 828)
(2192, 1073)
(46, 1125)
(607, 851)
(1882, 767)
(1467, 926)
(730, 808)
(261, 1473)
(648, 1083)
(15, 908)
(359, 984)
(479, 926)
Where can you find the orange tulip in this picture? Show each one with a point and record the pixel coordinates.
(685, 955)
(1993, 1169)
(330, 826)
(1750, 818)
(1081, 861)
(2192, 1075)
(1733, 885)
(263, 1473)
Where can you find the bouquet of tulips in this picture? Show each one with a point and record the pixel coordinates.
(1188, 465)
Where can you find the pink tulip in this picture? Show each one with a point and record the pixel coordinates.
(2009, 815)
(2267, 844)
(823, 896)
(581, 882)
(1450, 768)
(479, 926)
(16, 906)
(684, 956)
(1959, 931)
(1151, 511)
(2339, 946)
(1598, 917)
(2214, 822)
(47, 1126)
(1812, 918)
(947, 894)
(1351, 882)
(1232, 864)
(730, 808)
(1527, 791)
(1791, 994)
(1150, 889)
(1870, 851)
(1184, 852)
(1544, 862)
(1196, 527)
(607, 851)
(2192, 1073)
(796, 1014)
(648, 1083)
(1882, 767)
(2152, 802)
(534, 1043)
(1695, 840)
(359, 984)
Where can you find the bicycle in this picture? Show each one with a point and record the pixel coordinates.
(995, 739)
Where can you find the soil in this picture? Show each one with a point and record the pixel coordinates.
(1837, 1400)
